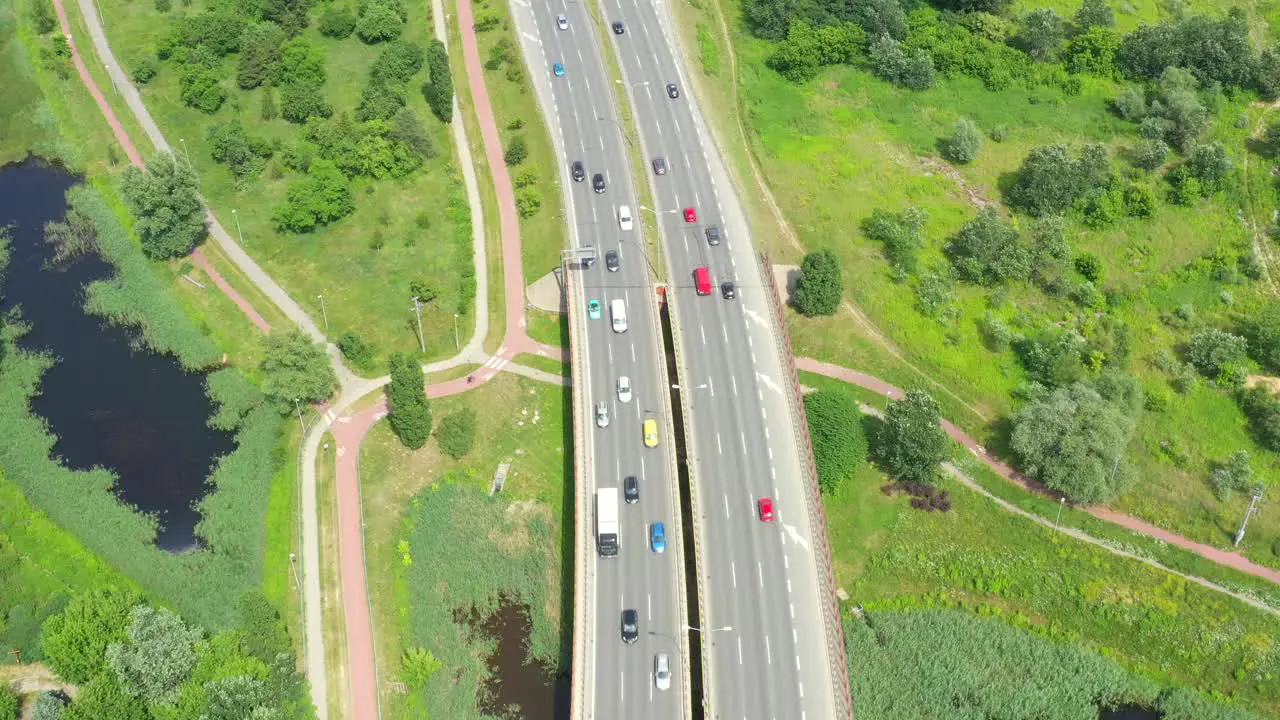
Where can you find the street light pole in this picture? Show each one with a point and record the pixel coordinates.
(298, 407)
(417, 310)
(1257, 495)
(325, 313)
(239, 232)
(1061, 501)
(456, 345)
(185, 151)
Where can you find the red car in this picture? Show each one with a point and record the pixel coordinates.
(690, 215)
(765, 505)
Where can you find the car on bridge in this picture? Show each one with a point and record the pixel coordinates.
(690, 215)
(765, 506)
(662, 671)
(651, 433)
(602, 414)
(593, 309)
(562, 22)
(624, 389)
(658, 537)
(630, 626)
(558, 69)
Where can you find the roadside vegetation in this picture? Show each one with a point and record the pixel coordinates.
(324, 130)
(1039, 194)
(512, 548)
(947, 548)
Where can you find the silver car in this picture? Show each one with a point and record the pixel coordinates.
(624, 389)
(562, 22)
(662, 671)
(602, 414)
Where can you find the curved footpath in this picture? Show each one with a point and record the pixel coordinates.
(349, 431)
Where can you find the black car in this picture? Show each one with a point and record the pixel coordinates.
(579, 172)
(659, 166)
(728, 290)
(617, 27)
(631, 489)
(597, 183)
(673, 92)
(713, 235)
(630, 626)
(611, 260)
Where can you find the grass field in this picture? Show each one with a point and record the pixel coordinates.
(835, 149)
(412, 228)
(418, 504)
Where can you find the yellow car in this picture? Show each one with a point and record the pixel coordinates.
(651, 433)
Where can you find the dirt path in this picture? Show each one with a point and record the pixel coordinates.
(1225, 558)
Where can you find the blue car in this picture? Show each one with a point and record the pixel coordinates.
(658, 537)
(557, 69)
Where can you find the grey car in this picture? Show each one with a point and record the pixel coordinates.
(673, 92)
(659, 166)
(579, 172)
(713, 235)
(597, 183)
(630, 626)
(602, 414)
(611, 261)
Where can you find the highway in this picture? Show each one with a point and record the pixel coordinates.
(760, 579)
(584, 127)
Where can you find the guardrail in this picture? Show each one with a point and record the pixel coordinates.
(817, 514)
(581, 498)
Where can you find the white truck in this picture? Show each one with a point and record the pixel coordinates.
(607, 521)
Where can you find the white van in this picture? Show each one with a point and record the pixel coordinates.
(624, 217)
(618, 310)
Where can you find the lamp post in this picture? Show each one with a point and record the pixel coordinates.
(239, 232)
(324, 313)
(456, 345)
(298, 408)
(185, 151)
(1061, 501)
(1257, 495)
(417, 310)
(710, 630)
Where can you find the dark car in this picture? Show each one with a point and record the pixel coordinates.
(713, 235)
(673, 92)
(630, 626)
(597, 183)
(659, 166)
(728, 290)
(579, 172)
(617, 27)
(631, 489)
(611, 260)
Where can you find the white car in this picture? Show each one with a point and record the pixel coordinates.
(562, 22)
(624, 389)
(602, 414)
(624, 217)
(662, 671)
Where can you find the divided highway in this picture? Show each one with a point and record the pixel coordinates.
(758, 578)
(584, 126)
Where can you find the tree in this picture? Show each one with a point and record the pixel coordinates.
(839, 445)
(820, 285)
(288, 14)
(157, 656)
(994, 7)
(337, 22)
(231, 144)
(75, 640)
(1214, 50)
(1235, 474)
(398, 61)
(914, 71)
(1269, 142)
(380, 100)
(417, 666)
(1050, 180)
(1041, 34)
(200, 89)
(1269, 73)
(1052, 357)
(145, 67)
(260, 55)
(238, 698)
(295, 369)
(1217, 353)
(8, 704)
(901, 235)
(355, 349)
(104, 699)
(962, 145)
(1149, 154)
(1092, 52)
(456, 433)
(911, 444)
(988, 251)
(1262, 329)
(379, 23)
(409, 413)
(163, 199)
(218, 32)
(1074, 441)
(516, 151)
(1176, 114)
(1263, 411)
(408, 131)
(302, 62)
(1140, 201)
(807, 49)
(262, 631)
(1094, 14)
(881, 17)
(1210, 165)
(43, 18)
(439, 90)
(49, 706)
(300, 102)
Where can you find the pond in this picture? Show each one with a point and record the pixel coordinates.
(519, 687)
(109, 401)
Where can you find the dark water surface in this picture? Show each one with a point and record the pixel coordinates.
(110, 402)
(519, 688)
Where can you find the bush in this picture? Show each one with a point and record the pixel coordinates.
(1131, 104)
(900, 234)
(302, 63)
(839, 445)
(1050, 180)
(48, 706)
(75, 640)
(961, 147)
(408, 411)
(231, 144)
(379, 23)
(1149, 154)
(260, 53)
(1052, 357)
(808, 49)
(169, 219)
(516, 151)
(1216, 353)
(379, 101)
(913, 71)
(1214, 50)
(1140, 201)
(1234, 474)
(354, 348)
(456, 433)
(820, 286)
(201, 90)
(398, 61)
(323, 197)
(988, 251)
(1210, 166)
(145, 68)
(8, 704)
(1041, 34)
(528, 202)
(337, 22)
(43, 18)
(911, 444)
(1092, 52)
(295, 370)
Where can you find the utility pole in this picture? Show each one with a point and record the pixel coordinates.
(298, 407)
(417, 310)
(239, 232)
(325, 313)
(185, 151)
(1257, 495)
(456, 346)
(1061, 501)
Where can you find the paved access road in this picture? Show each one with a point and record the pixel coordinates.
(585, 128)
(760, 579)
